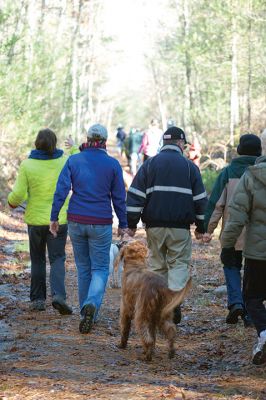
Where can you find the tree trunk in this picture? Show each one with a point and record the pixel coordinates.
(234, 107)
(189, 100)
(161, 105)
(249, 65)
(74, 74)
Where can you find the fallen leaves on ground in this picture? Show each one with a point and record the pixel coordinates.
(43, 356)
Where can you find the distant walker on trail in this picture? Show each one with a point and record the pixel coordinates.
(151, 140)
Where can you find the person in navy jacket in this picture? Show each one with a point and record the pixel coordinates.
(168, 195)
(96, 180)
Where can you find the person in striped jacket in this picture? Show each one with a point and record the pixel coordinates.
(168, 195)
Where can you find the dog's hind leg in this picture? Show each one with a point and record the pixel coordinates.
(169, 330)
(148, 337)
(125, 324)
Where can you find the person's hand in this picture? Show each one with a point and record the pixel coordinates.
(54, 227)
(11, 206)
(198, 235)
(206, 238)
(69, 142)
(131, 232)
(122, 232)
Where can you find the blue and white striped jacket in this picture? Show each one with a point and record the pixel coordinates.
(167, 192)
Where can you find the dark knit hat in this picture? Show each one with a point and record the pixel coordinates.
(174, 133)
(249, 145)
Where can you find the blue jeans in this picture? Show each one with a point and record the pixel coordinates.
(91, 246)
(233, 281)
(41, 238)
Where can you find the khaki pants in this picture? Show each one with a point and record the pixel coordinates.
(170, 254)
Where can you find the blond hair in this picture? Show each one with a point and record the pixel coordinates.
(263, 142)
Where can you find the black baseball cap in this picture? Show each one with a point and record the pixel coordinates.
(174, 133)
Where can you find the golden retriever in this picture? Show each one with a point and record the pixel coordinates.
(147, 299)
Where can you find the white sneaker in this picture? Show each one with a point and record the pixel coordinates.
(259, 351)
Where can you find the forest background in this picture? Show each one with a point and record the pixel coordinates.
(65, 64)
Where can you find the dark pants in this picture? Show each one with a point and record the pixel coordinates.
(255, 292)
(39, 238)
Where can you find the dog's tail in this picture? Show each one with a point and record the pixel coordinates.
(176, 299)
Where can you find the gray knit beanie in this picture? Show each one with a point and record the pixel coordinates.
(97, 131)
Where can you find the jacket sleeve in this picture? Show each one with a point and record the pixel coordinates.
(63, 187)
(239, 209)
(136, 197)
(20, 190)
(199, 198)
(217, 201)
(74, 150)
(118, 195)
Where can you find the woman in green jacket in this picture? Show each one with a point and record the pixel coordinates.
(35, 183)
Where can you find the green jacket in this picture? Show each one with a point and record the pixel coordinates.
(248, 208)
(135, 140)
(36, 182)
(222, 193)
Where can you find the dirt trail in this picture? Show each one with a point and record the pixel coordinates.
(43, 356)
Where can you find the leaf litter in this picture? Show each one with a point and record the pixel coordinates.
(43, 355)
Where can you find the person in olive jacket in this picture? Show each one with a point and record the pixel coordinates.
(248, 209)
(35, 183)
(248, 149)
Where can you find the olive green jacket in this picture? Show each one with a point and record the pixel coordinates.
(248, 208)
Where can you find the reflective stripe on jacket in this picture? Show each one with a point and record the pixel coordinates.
(167, 192)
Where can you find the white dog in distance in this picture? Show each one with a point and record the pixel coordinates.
(115, 277)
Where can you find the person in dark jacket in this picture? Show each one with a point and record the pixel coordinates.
(167, 193)
(120, 137)
(95, 179)
(249, 149)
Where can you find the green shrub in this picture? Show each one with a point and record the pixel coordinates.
(209, 176)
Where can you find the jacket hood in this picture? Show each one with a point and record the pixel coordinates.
(239, 165)
(259, 169)
(43, 155)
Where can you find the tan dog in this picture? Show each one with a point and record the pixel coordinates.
(147, 299)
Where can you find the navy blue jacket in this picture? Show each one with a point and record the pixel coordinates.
(95, 179)
(167, 192)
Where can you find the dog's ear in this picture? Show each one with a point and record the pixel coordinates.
(119, 258)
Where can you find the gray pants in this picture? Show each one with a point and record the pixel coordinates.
(170, 254)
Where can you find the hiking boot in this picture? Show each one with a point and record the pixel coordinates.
(259, 351)
(37, 305)
(60, 305)
(177, 315)
(236, 311)
(88, 317)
